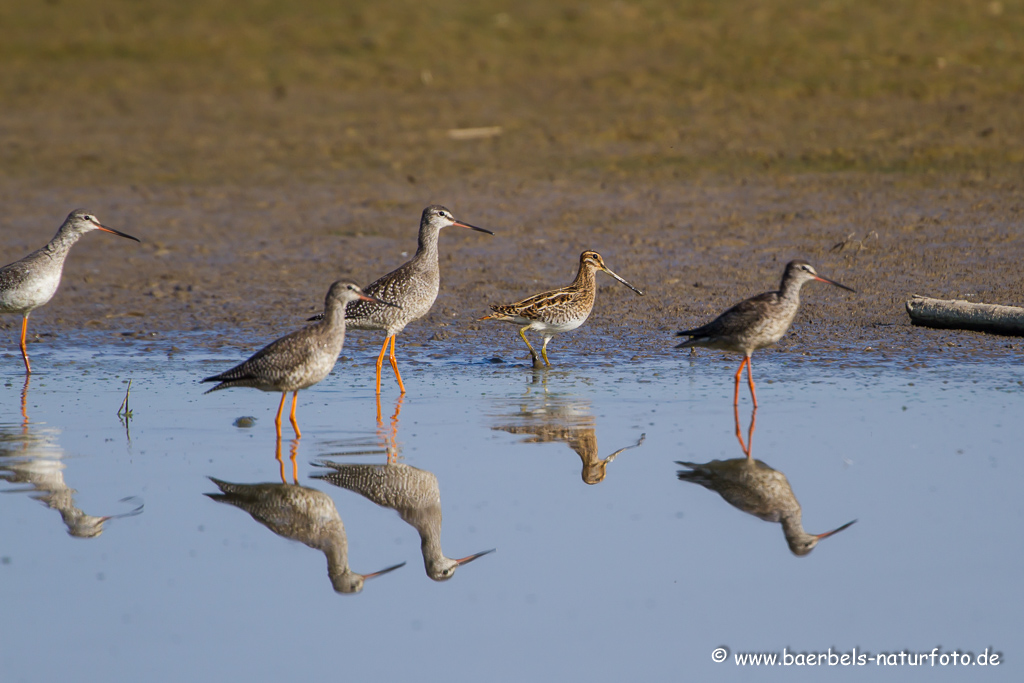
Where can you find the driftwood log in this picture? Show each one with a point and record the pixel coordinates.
(964, 315)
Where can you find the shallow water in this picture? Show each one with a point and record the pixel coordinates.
(639, 572)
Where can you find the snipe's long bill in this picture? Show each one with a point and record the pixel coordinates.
(559, 310)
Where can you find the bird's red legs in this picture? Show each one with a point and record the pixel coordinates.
(24, 405)
(24, 351)
(748, 447)
(277, 456)
(294, 456)
(750, 381)
(394, 365)
(280, 409)
(380, 363)
(739, 374)
(295, 423)
(295, 464)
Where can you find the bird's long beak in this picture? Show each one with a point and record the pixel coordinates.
(834, 531)
(367, 297)
(383, 571)
(622, 281)
(833, 282)
(116, 232)
(467, 560)
(471, 227)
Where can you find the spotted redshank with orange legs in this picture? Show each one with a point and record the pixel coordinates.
(300, 359)
(413, 286)
(27, 284)
(757, 489)
(756, 322)
(301, 514)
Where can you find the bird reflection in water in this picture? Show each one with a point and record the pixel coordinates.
(294, 452)
(31, 455)
(301, 514)
(410, 491)
(756, 488)
(553, 418)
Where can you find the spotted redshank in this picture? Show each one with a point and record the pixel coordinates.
(27, 284)
(414, 494)
(300, 359)
(559, 310)
(413, 286)
(301, 514)
(757, 489)
(756, 322)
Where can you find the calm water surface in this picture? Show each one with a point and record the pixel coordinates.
(604, 566)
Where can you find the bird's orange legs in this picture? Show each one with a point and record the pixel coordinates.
(277, 420)
(749, 445)
(394, 363)
(291, 417)
(24, 351)
(295, 423)
(389, 439)
(295, 464)
(750, 380)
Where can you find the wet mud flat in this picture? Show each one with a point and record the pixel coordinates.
(240, 266)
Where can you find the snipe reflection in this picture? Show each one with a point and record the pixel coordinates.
(757, 489)
(301, 514)
(30, 454)
(410, 491)
(544, 417)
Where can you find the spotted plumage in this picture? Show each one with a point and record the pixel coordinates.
(559, 310)
(412, 286)
(756, 322)
(410, 491)
(759, 490)
(300, 359)
(301, 514)
(27, 284)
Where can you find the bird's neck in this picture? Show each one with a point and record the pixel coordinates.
(585, 278)
(789, 291)
(336, 551)
(334, 315)
(427, 521)
(62, 242)
(427, 246)
(792, 527)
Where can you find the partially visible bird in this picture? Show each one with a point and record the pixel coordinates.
(27, 284)
(300, 359)
(413, 286)
(756, 322)
(559, 310)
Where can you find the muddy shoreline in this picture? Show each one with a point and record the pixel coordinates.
(238, 266)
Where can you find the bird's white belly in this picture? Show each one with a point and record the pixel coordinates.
(32, 293)
(556, 328)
